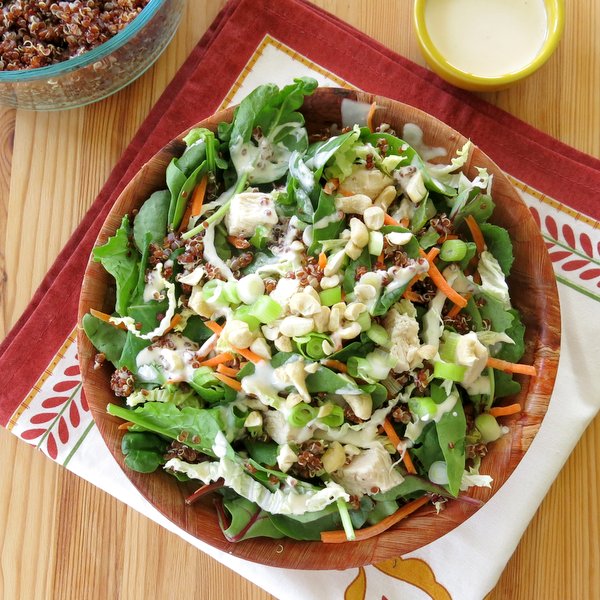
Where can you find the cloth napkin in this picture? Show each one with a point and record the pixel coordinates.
(252, 42)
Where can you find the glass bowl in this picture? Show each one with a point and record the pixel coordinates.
(100, 72)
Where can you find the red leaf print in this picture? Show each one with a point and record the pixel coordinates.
(72, 371)
(54, 401)
(63, 431)
(536, 215)
(84, 403)
(589, 274)
(586, 244)
(568, 234)
(42, 418)
(51, 447)
(31, 434)
(559, 255)
(63, 386)
(550, 245)
(573, 265)
(551, 227)
(74, 415)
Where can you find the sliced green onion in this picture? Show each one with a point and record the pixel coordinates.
(374, 367)
(266, 310)
(448, 346)
(230, 292)
(422, 407)
(453, 250)
(334, 416)
(451, 371)
(346, 520)
(364, 320)
(378, 334)
(211, 292)
(301, 415)
(331, 296)
(470, 253)
(488, 427)
(492, 378)
(311, 345)
(375, 243)
(243, 314)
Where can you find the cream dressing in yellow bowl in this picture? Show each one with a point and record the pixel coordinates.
(487, 44)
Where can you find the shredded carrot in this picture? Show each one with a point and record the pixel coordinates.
(508, 367)
(195, 204)
(393, 437)
(390, 220)
(370, 116)
(338, 365)
(176, 318)
(339, 537)
(346, 193)
(217, 360)
(408, 291)
(322, 260)
(505, 411)
(221, 368)
(404, 221)
(453, 312)
(245, 352)
(106, 318)
(238, 242)
(251, 356)
(232, 383)
(442, 284)
(475, 233)
(125, 425)
(412, 296)
(214, 327)
(432, 254)
(380, 263)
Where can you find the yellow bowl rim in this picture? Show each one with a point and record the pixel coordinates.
(555, 10)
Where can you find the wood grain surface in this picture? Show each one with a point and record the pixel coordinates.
(61, 537)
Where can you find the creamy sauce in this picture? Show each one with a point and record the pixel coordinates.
(328, 220)
(402, 275)
(414, 430)
(174, 361)
(490, 38)
(266, 161)
(354, 113)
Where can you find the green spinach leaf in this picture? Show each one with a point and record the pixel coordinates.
(143, 452)
(152, 220)
(120, 258)
(105, 337)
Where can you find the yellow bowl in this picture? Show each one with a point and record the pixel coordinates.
(555, 11)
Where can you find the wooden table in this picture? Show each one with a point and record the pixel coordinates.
(61, 537)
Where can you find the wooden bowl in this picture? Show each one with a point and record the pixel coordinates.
(533, 291)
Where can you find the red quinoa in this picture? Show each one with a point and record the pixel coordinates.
(39, 33)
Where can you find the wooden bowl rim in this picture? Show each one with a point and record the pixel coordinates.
(315, 555)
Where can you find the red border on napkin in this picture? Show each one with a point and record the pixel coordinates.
(205, 78)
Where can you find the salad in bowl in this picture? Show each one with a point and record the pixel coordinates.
(316, 330)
